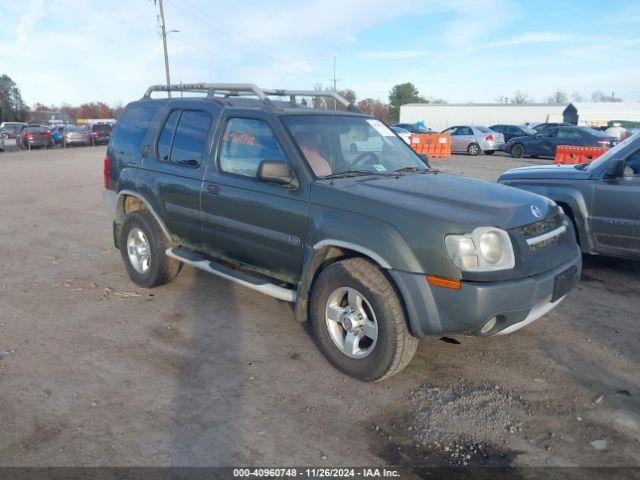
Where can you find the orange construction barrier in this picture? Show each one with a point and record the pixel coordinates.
(571, 154)
(435, 145)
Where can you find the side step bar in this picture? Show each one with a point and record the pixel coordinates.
(243, 278)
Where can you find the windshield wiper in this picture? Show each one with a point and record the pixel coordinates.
(410, 169)
(355, 173)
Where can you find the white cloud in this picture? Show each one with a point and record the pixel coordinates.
(393, 54)
(533, 37)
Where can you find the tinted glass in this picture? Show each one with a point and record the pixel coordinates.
(499, 129)
(247, 142)
(131, 129)
(101, 128)
(595, 133)
(552, 132)
(465, 131)
(164, 142)
(566, 133)
(635, 139)
(484, 129)
(190, 138)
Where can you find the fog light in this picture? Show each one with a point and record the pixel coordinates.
(487, 327)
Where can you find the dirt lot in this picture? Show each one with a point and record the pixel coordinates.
(202, 372)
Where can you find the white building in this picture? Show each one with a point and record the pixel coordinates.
(440, 116)
(596, 114)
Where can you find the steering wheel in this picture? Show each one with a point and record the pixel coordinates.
(360, 159)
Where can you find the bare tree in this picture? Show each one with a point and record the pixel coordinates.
(519, 97)
(502, 99)
(598, 96)
(576, 97)
(558, 97)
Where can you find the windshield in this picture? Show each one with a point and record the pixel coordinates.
(483, 129)
(74, 129)
(611, 152)
(336, 144)
(528, 130)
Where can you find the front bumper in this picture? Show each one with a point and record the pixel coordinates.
(435, 311)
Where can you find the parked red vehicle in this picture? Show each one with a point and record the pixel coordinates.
(33, 136)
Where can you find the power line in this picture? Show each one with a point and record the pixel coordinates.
(201, 16)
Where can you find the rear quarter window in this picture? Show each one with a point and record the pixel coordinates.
(131, 129)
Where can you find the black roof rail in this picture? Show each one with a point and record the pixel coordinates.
(248, 89)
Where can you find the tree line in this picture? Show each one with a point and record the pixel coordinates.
(13, 108)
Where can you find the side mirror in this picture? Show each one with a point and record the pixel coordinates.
(616, 170)
(277, 171)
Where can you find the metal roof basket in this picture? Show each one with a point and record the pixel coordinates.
(247, 89)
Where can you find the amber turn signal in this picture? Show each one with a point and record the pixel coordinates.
(444, 282)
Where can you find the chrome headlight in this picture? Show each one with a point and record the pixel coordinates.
(485, 249)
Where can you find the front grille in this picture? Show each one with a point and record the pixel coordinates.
(539, 229)
(543, 226)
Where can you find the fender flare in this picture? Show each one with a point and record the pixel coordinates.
(120, 209)
(315, 256)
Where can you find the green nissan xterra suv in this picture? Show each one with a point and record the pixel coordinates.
(333, 212)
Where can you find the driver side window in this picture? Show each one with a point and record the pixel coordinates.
(247, 142)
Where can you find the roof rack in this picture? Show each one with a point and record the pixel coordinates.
(248, 89)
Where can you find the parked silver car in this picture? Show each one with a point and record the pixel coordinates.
(473, 139)
(73, 135)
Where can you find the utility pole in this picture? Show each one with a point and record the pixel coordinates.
(335, 83)
(164, 43)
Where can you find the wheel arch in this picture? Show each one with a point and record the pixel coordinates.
(320, 256)
(130, 201)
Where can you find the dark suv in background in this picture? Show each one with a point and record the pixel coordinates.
(373, 247)
(100, 134)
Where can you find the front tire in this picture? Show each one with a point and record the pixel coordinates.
(517, 151)
(358, 321)
(143, 246)
(473, 149)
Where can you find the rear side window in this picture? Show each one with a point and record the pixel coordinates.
(190, 138)
(166, 137)
(131, 129)
(247, 142)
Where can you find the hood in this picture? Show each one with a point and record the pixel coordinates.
(520, 138)
(546, 172)
(463, 203)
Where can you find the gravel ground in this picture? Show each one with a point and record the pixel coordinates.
(94, 371)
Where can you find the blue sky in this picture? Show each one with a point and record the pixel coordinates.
(460, 50)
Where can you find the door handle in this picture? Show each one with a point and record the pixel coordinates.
(213, 188)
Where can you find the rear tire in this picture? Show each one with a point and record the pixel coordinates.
(141, 233)
(379, 313)
(517, 151)
(473, 149)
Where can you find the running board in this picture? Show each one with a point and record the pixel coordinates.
(243, 278)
